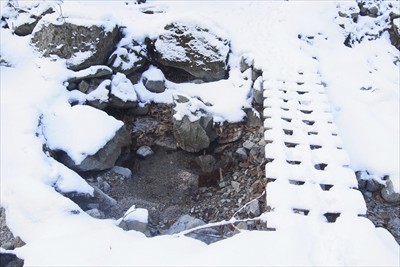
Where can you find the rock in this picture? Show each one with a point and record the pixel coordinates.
(193, 136)
(144, 152)
(206, 163)
(194, 49)
(122, 93)
(153, 79)
(228, 133)
(248, 145)
(253, 118)
(395, 33)
(27, 21)
(167, 143)
(135, 219)
(125, 172)
(236, 186)
(348, 10)
(127, 58)
(105, 201)
(90, 73)
(95, 213)
(81, 45)
(368, 8)
(103, 159)
(245, 64)
(253, 208)
(258, 91)
(141, 110)
(10, 260)
(242, 153)
(186, 222)
(389, 194)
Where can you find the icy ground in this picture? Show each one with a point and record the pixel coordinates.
(267, 31)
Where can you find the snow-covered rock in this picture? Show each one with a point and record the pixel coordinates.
(85, 138)
(389, 193)
(154, 80)
(123, 94)
(135, 219)
(194, 49)
(82, 43)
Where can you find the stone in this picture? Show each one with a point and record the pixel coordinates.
(125, 172)
(349, 10)
(167, 143)
(193, 136)
(229, 133)
(136, 219)
(206, 162)
(245, 64)
(10, 260)
(253, 118)
(83, 86)
(389, 194)
(105, 201)
(82, 46)
(236, 186)
(194, 49)
(186, 222)
(153, 79)
(95, 213)
(248, 144)
(253, 208)
(141, 110)
(242, 153)
(29, 20)
(372, 185)
(395, 33)
(90, 73)
(128, 58)
(103, 159)
(144, 152)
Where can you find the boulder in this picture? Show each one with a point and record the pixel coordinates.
(103, 159)
(27, 21)
(186, 222)
(8, 259)
(81, 45)
(193, 136)
(127, 58)
(99, 71)
(194, 49)
(123, 94)
(389, 194)
(135, 219)
(153, 79)
(395, 33)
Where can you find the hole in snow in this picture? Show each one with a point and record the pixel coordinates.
(312, 133)
(301, 92)
(288, 132)
(293, 162)
(296, 182)
(331, 216)
(301, 211)
(312, 147)
(320, 166)
(308, 122)
(306, 111)
(288, 144)
(285, 109)
(286, 119)
(326, 187)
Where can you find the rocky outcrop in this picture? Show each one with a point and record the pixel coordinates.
(194, 49)
(81, 45)
(105, 158)
(193, 136)
(30, 20)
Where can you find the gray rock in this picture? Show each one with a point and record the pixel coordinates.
(83, 86)
(10, 260)
(372, 185)
(133, 225)
(206, 162)
(236, 186)
(167, 143)
(144, 152)
(186, 222)
(248, 144)
(242, 153)
(389, 194)
(193, 49)
(118, 103)
(68, 40)
(141, 110)
(254, 208)
(27, 27)
(125, 172)
(128, 58)
(245, 64)
(105, 201)
(95, 213)
(103, 159)
(91, 73)
(155, 86)
(193, 136)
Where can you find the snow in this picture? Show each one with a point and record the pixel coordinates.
(35, 110)
(153, 74)
(122, 88)
(136, 214)
(80, 131)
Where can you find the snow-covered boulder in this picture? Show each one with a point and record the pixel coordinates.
(153, 79)
(135, 219)
(389, 193)
(194, 49)
(128, 57)
(395, 33)
(82, 43)
(122, 92)
(85, 138)
(27, 20)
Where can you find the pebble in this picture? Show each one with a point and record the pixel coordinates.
(248, 145)
(241, 152)
(236, 186)
(144, 152)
